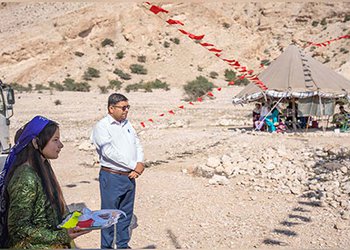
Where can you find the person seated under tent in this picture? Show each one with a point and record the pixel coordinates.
(341, 119)
(260, 123)
(272, 120)
(301, 121)
(289, 114)
(256, 113)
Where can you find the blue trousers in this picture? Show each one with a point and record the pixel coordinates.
(117, 192)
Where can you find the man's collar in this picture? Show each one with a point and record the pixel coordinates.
(111, 120)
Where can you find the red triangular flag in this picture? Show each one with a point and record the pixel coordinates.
(229, 61)
(171, 21)
(235, 64)
(210, 94)
(244, 69)
(181, 107)
(231, 83)
(143, 124)
(196, 37)
(219, 89)
(261, 85)
(183, 31)
(251, 77)
(191, 103)
(171, 112)
(161, 115)
(199, 99)
(151, 120)
(156, 9)
(206, 44)
(215, 50)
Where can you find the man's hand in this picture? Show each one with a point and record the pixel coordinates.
(140, 167)
(133, 175)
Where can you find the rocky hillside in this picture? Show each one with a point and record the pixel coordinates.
(44, 42)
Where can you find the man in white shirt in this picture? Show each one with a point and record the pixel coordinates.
(121, 158)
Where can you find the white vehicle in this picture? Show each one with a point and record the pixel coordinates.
(7, 99)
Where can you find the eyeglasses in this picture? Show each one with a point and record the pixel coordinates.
(127, 107)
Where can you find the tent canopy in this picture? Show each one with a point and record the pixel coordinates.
(296, 74)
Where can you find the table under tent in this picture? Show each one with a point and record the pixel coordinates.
(295, 77)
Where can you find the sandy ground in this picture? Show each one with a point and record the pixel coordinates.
(175, 209)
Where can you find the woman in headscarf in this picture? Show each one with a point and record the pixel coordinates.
(31, 200)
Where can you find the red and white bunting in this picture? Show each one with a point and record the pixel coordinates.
(248, 73)
(328, 42)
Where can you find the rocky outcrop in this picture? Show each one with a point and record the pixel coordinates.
(32, 34)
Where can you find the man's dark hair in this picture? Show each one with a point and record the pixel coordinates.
(114, 98)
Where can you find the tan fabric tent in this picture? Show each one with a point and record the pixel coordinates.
(296, 74)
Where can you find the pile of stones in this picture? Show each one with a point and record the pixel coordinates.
(320, 173)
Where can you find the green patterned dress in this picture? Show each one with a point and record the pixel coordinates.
(32, 222)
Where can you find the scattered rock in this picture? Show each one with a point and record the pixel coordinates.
(345, 215)
(295, 190)
(340, 226)
(86, 146)
(213, 162)
(204, 171)
(218, 180)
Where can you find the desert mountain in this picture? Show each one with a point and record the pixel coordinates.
(44, 42)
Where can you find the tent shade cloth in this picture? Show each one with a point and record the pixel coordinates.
(296, 74)
(311, 106)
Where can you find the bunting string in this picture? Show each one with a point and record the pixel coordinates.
(235, 64)
(182, 107)
(328, 42)
(210, 47)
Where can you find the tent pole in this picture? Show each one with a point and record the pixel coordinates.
(307, 124)
(321, 109)
(294, 115)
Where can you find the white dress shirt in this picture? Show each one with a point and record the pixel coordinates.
(117, 144)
